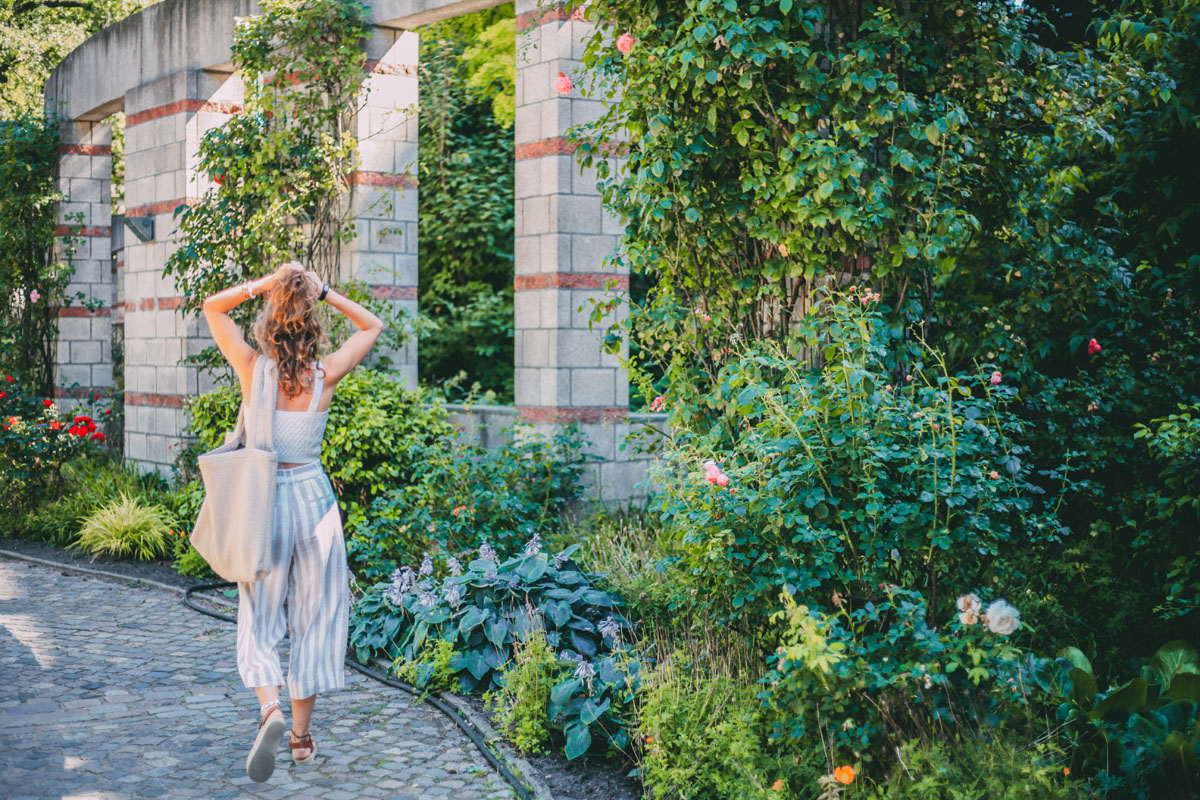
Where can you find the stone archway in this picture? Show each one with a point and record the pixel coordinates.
(169, 68)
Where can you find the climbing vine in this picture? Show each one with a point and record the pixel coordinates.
(279, 169)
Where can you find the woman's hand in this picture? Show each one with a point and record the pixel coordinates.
(314, 280)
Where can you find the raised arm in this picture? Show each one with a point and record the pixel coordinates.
(338, 363)
(225, 331)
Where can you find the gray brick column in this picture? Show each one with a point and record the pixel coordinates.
(563, 235)
(384, 203)
(165, 120)
(83, 363)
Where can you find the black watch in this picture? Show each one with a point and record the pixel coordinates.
(324, 291)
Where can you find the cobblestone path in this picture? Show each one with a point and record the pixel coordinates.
(108, 691)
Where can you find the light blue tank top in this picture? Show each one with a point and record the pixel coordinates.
(298, 434)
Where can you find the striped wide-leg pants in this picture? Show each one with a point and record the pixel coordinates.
(309, 572)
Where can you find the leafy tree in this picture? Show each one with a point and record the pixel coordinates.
(35, 35)
(466, 165)
(1009, 201)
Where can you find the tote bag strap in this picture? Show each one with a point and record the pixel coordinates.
(260, 416)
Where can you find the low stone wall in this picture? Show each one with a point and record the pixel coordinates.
(617, 470)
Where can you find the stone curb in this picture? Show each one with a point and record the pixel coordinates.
(512, 759)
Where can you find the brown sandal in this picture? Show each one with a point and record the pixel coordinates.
(304, 742)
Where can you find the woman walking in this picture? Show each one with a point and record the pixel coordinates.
(308, 554)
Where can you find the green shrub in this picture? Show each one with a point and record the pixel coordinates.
(1141, 738)
(37, 441)
(487, 607)
(188, 561)
(89, 483)
(629, 550)
(432, 669)
(380, 435)
(974, 769)
(126, 528)
(702, 735)
(519, 705)
(833, 480)
(462, 495)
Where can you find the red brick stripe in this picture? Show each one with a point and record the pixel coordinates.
(569, 280)
(81, 311)
(162, 207)
(547, 414)
(145, 399)
(179, 106)
(154, 303)
(365, 178)
(559, 146)
(380, 68)
(394, 292)
(531, 19)
(84, 150)
(65, 230)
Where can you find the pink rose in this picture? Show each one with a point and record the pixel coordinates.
(34, 297)
(1093, 347)
(996, 378)
(562, 84)
(624, 43)
(994, 475)
(722, 479)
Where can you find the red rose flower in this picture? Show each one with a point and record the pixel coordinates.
(3, 394)
(98, 436)
(47, 402)
(55, 425)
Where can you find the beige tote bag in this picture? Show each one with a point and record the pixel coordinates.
(233, 529)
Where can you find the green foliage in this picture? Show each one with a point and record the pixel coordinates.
(89, 483)
(519, 705)
(1141, 737)
(379, 435)
(475, 338)
(466, 168)
(701, 736)
(460, 495)
(1010, 202)
(36, 442)
(973, 769)
(35, 37)
(126, 528)
(838, 481)
(630, 551)
(490, 605)
(433, 668)
(1174, 441)
(33, 279)
(188, 561)
(875, 674)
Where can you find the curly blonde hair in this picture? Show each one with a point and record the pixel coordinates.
(289, 331)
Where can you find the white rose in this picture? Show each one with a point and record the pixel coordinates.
(969, 603)
(1002, 618)
(968, 617)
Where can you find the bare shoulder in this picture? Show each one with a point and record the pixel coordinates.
(342, 361)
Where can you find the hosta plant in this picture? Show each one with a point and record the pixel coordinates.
(484, 608)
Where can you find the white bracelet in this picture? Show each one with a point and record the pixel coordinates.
(248, 290)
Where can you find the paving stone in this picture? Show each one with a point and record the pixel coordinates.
(116, 692)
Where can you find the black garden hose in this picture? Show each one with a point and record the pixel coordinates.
(434, 700)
